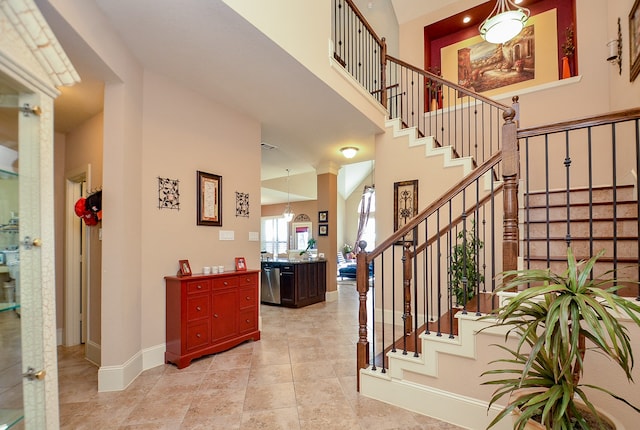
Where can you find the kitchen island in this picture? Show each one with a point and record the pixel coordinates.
(293, 283)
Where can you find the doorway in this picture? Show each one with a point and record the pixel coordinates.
(76, 261)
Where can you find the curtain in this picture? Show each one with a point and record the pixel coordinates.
(365, 209)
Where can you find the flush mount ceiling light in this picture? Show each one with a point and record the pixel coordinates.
(505, 22)
(349, 151)
(288, 212)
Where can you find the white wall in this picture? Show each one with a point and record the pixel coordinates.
(182, 133)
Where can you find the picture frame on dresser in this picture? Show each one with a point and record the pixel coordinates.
(241, 264)
(209, 199)
(185, 268)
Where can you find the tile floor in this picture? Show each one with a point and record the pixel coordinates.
(300, 375)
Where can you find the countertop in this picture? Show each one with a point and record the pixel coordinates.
(293, 261)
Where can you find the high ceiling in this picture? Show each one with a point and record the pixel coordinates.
(293, 108)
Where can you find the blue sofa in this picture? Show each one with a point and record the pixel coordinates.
(349, 271)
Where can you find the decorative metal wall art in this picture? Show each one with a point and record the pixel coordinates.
(168, 193)
(405, 205)
(242, 204)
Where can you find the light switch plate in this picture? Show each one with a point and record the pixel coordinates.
(226, 235)
(254, 236)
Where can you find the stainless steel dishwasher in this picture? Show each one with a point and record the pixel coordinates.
(270, 285)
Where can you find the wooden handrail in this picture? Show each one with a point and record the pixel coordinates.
(364, 21)
(443, 81)
(576, 124)
(429, 210)
(455, 221)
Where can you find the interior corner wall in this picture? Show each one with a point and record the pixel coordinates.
(307, 39)
(184, 132)
(327, 201)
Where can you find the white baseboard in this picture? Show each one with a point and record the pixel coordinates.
(153, 356)
(331, 296)
(453, 408)
(117, 378)
(93, 352)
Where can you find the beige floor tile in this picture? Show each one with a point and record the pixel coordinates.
(274, 396)
(300, 375)
(273, 374)
(274, 419)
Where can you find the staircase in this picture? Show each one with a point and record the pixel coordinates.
(596, 222)
(419, 349)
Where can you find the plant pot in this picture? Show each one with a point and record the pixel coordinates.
(605, 417)
(566, 70)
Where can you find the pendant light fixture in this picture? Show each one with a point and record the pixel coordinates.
(288, 213)
(505, 22)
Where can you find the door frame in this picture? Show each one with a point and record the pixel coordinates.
(77, 271)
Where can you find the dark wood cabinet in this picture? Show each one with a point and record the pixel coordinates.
(301, 283)
(209, 313)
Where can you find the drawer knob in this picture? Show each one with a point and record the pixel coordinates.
(248, 321)
(199, 287)
(198, 308)
(226, 283)
(198, 335)
(248, 298)
(215, 315)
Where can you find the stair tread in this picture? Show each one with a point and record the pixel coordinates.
(578, 204)
(627, 218)
(603, 259)
(598, 188)
(581, 238)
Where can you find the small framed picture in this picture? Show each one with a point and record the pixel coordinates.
(185, 268)
(323, 216)
(323, 230)
(241, 265)
(209, 199)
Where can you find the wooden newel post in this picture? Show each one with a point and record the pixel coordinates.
(510, 175)
(362, 285)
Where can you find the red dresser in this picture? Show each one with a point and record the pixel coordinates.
(209, 313)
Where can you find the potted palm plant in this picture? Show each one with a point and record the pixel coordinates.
(554, 320)
(464, 268)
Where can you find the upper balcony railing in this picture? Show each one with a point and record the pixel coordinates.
(453, 115)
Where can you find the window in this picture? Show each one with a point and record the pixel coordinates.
(369, 232)
(274, 235)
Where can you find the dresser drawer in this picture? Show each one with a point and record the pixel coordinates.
(247, 320)
(197, 307)
(247, 297)
(227, 281)
(199, 286)
(248, 279)
(197, 334)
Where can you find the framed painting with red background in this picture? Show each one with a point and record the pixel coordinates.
(452, 30)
